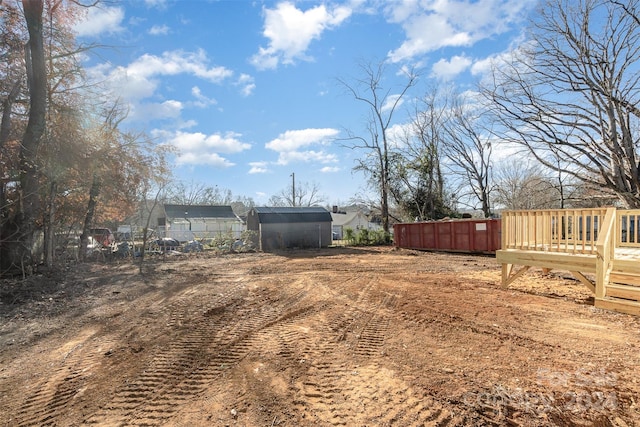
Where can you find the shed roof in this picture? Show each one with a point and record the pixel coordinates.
(199, 211)
(292, 214)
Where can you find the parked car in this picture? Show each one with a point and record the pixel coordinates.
(104, 236)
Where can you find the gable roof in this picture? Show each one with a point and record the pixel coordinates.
(199, 211)
(291, 214)
(348, 217)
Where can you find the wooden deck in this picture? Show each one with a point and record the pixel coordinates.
(600, 247)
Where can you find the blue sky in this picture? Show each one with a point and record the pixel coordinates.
(247, 91)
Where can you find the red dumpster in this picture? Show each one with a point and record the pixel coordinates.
(460, 235)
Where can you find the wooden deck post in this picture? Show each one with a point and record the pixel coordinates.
(605, 249)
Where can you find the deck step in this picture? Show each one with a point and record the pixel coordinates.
(623, 291)
(624, 278)
(619, 305)
(626, 266)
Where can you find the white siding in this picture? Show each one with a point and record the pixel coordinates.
(204, 228)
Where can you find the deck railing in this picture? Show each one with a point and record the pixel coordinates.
(554, 230)
(628, 228)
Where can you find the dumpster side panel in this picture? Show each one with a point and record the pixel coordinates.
(470, 236)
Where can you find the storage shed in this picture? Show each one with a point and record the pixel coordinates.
(290, 227)
(196, 222)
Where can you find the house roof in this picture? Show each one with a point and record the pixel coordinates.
(347, 218)
(199, 211)
(292, 214)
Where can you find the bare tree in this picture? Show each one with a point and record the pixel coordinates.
(570, 94)
(146, 212)
(304, 194)
(242, 205)
(418, 182)
(382, 104)
(194, 193)
(468, 149)
(520, 185)
(524, 185)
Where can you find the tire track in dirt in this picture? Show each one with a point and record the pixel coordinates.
(74, 375)
(322, 394)
(62, 386)
(385, 400)
(342, 393)
(41, 407)
(216, 339)
(344, 380)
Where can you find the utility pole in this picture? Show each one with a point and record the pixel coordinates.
(293, 189)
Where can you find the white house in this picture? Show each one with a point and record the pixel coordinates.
(194, 222)
(356, 220)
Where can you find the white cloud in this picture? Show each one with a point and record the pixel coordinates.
(287, 157)
(170, 109)
(330, 169)
(483, 66)
(198, 142)
(446, 70)
(160, 4)
(196, 148)
(290, 32)
(435, 24)
(258, 167)
(159, 30)
(178, 62)
(211, 159)
(100, 20)
(389, 103)
(514, 55)
(292, 140)
(398, 134)
(246, 83)
(201, 100)
(141, 80)
(187, 124)
(290, 143)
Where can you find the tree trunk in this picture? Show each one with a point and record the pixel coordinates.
(384, 202)
(94, 192)
(486, 208)
(49, 233)
(37, 81)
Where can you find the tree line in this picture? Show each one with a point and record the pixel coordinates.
(553, 124)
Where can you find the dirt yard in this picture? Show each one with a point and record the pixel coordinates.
(335, 337)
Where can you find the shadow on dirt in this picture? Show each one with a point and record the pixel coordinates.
(73, 289)
(298, 253)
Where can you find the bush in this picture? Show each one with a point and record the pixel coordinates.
(349, 236)
(362, 237)
(365, 237)
(379, 237)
